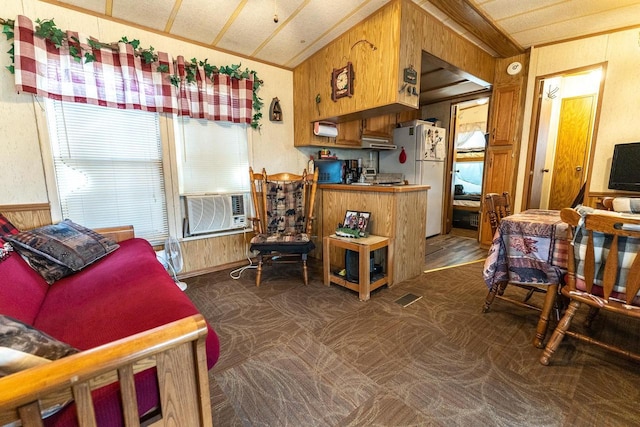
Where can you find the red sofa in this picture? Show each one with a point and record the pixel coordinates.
(124, 293)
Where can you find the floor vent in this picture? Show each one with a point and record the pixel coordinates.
(408, 299)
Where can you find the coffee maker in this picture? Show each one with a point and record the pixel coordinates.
(352, 170)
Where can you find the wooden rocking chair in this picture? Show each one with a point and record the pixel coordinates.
(283, 205)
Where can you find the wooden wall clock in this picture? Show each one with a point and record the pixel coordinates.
(342, 82)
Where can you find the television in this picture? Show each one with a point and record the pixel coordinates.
(625, 167)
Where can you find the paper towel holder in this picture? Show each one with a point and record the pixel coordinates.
(323, 128)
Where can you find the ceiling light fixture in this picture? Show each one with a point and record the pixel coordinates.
(275, 11)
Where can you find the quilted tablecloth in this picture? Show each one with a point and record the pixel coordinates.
(529, 247)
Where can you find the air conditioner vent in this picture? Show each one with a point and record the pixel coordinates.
(237, 205)
(216, 212)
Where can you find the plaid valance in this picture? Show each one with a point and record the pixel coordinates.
(120, 79)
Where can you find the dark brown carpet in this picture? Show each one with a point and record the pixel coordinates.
(295, 355)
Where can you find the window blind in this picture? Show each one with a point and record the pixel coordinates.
(108, 167)
(213, 157)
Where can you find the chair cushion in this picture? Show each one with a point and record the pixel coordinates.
(286, 243)
(285, 207)
(628, 247)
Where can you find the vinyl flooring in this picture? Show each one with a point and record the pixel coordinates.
(458, 247)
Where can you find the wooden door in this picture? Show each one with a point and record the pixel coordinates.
(503, 121)
(572, 148)
(350, 133)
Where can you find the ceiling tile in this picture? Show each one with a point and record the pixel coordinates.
(255, 24)
(203, 20)
(310, 25)
(580, 26)
(93, 5)
(568, 12)
(502, 9)
(149, 13)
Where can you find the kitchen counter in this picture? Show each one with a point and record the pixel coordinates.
(380, 188)
(398, 212)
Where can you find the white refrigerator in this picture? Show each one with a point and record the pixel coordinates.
(425, 147)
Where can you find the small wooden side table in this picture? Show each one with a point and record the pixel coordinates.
(364, 246)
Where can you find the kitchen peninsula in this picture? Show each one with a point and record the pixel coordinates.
(398, 212)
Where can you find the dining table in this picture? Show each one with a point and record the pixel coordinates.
(529, 248)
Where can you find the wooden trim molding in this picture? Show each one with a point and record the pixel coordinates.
(473, 20)
(23, 208)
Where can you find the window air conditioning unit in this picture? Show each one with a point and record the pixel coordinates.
(215, 212)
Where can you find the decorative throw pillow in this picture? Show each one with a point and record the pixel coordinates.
(6, 227)
(55, 251)
(23, 338)
(23, 347)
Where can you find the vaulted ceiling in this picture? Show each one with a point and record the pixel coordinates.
(286, 32)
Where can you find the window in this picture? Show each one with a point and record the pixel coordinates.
(213, 157)
(108, 167)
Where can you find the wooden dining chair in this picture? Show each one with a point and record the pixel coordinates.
(497, 207)
(284, 214)
(603, 273)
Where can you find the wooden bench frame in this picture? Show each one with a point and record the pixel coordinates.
(177, 350)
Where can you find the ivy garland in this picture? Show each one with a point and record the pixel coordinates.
(48, 30)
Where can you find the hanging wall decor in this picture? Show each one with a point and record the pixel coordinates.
(342, 82)
(275, 111)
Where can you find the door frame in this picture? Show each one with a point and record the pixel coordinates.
(535, 126)
(453, 126)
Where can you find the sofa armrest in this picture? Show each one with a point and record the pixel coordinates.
(117, 234)
(177, 350)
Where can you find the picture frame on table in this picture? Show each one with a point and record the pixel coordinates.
(357, 221)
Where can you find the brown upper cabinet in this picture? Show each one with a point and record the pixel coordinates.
(379, 50)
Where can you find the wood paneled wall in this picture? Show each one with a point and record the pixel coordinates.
(214, 253)
(400, 30)
(375, 72)
(399, 216)
(432, 36)
(29, 216)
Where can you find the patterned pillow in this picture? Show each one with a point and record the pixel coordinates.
(17, 339)
(55, 251)
(6, 227)
(23, 347)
